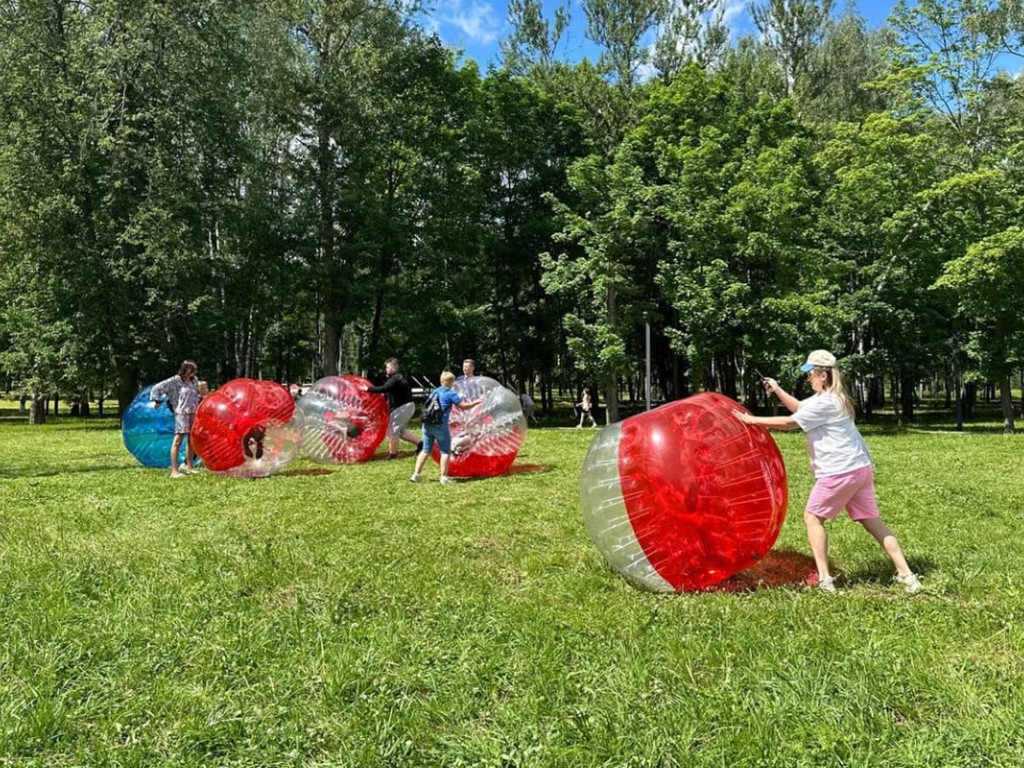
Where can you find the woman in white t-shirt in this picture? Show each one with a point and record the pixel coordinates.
(841, 463)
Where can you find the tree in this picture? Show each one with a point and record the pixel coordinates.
(792, 30)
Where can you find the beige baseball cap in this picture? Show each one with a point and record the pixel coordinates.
(819, 358)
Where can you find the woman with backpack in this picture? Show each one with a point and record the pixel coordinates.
(435, 425)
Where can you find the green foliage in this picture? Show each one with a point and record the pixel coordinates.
(286, 188)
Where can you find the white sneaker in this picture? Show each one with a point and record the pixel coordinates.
(910, 582)
(415, 478)
(827, 585)
(448, 480)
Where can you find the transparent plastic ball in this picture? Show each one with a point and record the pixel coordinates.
(148, 431)
(684, 496)
(485, 439)
(344, 424)
(247, 428)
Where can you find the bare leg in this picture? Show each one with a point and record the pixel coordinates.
(421, 459)
(445, 459)
(190, 454)
(888, 541)
(411, 437)
(175, 447)
(817, 537)
(392, 444)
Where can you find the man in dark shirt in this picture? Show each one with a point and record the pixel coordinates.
(399, 394)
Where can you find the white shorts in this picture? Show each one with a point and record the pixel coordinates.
(399, 419)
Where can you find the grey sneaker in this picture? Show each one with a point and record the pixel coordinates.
(448, 480)
(415, 478)
(827, 585)
(910, 582)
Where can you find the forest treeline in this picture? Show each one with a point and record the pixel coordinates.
(291, 188)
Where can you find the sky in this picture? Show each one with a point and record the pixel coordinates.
(475, 27)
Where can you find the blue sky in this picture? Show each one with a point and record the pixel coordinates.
(476, 26)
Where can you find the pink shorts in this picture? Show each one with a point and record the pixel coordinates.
(853, 490)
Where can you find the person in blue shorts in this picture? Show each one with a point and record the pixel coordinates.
(439, 433)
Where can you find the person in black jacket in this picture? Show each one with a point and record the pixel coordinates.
(399, 394)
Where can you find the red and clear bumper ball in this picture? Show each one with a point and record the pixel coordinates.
(344, 423)
(684, 496)
(487, 438)
(247, 428)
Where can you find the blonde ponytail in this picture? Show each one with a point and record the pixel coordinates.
(834, 380)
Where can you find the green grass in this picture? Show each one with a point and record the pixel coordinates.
(350, 618)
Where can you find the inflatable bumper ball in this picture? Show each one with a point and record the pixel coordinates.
(148, 432)
(247, 428)
(487, 438)
(344, 424)
(684, 496)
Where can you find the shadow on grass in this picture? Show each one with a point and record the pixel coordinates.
(515, 469)
(384, 456)
(880, 572)
(15, 474)
(779, 568)
(311, 472)
(528, 469)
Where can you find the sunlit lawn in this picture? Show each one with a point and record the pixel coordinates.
(346, 617)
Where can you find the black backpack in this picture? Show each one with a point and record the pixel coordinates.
(433, 413)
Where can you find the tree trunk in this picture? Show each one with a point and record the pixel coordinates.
(127, 388)
(1006, 400)
(907, 385)
(332, 343)
(611, 394)
(970, 398)
(37, 410)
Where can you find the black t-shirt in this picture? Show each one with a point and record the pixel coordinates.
(396, 389)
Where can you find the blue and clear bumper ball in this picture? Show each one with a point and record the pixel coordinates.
(148, 432)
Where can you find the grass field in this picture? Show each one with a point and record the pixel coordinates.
(346, 617)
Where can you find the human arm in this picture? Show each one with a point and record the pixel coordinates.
(467, 404)
(391, 383)
(791, 403)
(772, 422)
(165, 390)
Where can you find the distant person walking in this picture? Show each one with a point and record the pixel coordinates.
(529, 408)
(398, 392)
(438, 433)
(182, 394)
(842, 465)
(585, 405)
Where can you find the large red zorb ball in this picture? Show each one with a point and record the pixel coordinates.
(247, 428)
(684, 496)
(486, 438)
(344, 423)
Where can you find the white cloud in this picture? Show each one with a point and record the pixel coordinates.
(732, 11)
(476, 20)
